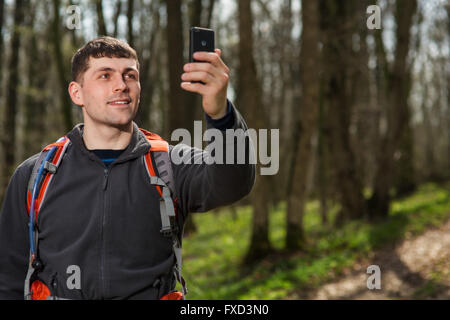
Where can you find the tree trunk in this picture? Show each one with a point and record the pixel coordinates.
(148, 70)
(307, 114)
(117, 13)
(193, 100)
(430, 159)
(210, 13)
(322, 155)
(130, 12)
(181, 109)
(34, 103)
(397, 91)
(56, 40)
(9, 120)
(101, 27)
(250, 98)
(404, 179)
(338, 84)
(447, 78)
(285, 100)
(2, 7)
(365, 115)
(175, 47)
(195, 13)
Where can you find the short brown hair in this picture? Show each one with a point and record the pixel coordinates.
(98, 48)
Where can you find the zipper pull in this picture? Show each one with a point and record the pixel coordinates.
(105, 181)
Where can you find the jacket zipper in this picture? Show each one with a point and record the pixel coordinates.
(103, 253)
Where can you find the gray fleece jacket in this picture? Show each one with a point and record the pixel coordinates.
(106, 220)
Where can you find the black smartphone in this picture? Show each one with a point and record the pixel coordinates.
(201, 39)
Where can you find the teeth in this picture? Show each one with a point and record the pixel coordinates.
(120, 102)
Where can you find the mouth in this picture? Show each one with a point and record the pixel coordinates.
(120, 102)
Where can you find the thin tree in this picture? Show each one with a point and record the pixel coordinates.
(56, 41)
(307, 117)
(175, 47)
(150, 68)
(2, 7)
(37, 74)
(130, 13)
(250, 98)
(339, 25)
(101, 27)
(117, 12)
(181, 107)
(210, 12)
(396, 90)
(11, 103)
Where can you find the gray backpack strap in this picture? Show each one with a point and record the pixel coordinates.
(166, 207)
(169, 226)
(36, 167)
(164, 168)
(31, 182)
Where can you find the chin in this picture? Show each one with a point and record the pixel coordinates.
(120, 123)
(123, 124)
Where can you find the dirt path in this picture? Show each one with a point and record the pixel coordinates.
(417, 268)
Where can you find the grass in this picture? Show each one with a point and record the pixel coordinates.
(212, 258)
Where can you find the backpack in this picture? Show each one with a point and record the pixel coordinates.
(162, 178)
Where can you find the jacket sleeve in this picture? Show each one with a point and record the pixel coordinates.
(201, 185)
(14, 245)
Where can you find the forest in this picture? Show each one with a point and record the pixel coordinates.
(358, 89)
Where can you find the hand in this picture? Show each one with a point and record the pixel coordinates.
(214, 76)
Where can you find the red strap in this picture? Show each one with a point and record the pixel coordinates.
(175, 295)
(156, 142)
(156, 145)
(55, 144)
(39, 291)
(150, 135)
(28, 202)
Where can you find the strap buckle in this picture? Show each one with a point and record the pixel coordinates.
(50, 167)
(37, 264)
(168, 231)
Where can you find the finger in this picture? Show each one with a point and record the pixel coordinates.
(193, 87)
(197, 76)
(218, 51)
(211, 57)
(205, 67)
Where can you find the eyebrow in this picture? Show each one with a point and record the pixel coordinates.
(113, 70)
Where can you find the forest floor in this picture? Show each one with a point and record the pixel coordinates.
(411, 247)
(415, 268)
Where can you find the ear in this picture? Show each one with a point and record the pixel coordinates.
(76, 93)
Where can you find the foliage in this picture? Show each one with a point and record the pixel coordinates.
(212, 257)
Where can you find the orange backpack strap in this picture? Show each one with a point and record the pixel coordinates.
(49, 168)
(162, 178)
(43, 171)
(174, 295)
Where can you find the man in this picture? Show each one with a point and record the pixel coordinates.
(101, 215)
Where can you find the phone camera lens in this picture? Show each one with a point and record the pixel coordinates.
(204, 43)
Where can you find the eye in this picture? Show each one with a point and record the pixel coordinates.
(104, 76)
(131, 76)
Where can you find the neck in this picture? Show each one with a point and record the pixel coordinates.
(107, 137)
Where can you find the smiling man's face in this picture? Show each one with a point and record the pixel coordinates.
(108, 91)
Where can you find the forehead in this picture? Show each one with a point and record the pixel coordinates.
(118, 64)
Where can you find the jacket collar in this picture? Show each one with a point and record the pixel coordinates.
(138, 146)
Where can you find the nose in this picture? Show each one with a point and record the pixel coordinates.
(120, 84)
